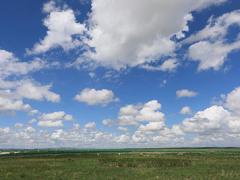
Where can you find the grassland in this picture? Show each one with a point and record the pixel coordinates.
(122, 164)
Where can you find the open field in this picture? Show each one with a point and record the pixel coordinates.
(122, 164)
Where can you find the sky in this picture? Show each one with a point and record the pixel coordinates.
(119, 74)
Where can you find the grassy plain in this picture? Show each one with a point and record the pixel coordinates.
(122, 164)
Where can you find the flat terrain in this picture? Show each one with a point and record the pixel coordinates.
(122, 164)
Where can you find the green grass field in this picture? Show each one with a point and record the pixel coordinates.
(125, 164)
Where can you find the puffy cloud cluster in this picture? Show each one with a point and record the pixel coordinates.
(13, 92)
(26, 136)
(90, 125)
(206, 121)
(11, 65)
(164, 136)
(124, 33)
(96, 97)
(29, 90)
(185, 93)
(63, 30)
(217, 124)
(186, 110)
(211, 55)
(120, 34)
(152, 126)
(168, 65)
(233, 101)
(210, 48)
(134, 114)
(54, 119)
(7, 104)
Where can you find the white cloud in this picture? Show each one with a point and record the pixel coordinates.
(32, 121)
(185, 93)
(63, 30)
(90, 125)
(13, 93)
(54, 119)
(4, 130)
(60, 115)
(211, 55)
(133, 114)
(96, 97)
(57, 134)
(108, 122)
(120, 128)
(152, 126)
(210, 48)
(30, 129)
(11, 65)
(14, 88)
(122, 138)
(210, 119)
(7, 104)
(50, 6)
(18, 125)
(50, 123)
(33, 91)
(122, 34)
(186, 110)
(217, 28)
(168, 65)
(217, 124)
(233, 101)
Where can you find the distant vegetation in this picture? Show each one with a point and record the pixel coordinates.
(121, 164)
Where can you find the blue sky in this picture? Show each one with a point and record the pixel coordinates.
(119, 74)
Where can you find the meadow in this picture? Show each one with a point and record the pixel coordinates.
(122, 164)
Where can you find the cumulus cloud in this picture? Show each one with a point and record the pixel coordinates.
(14, 88)
(152, 126)
(168, 65)
(217, 28)
(185, 93)
(210, 48)
(215, 124)
(134, 114)
(164, 136)
(13, 93)
(124, 33)
(54, 119)
(90, 125)
(108, 122)
(120, 34)
(4, 130)
(11, 65)
(209, 119)
(120, 128)
(211, 55)
(233, 100)
(7, 104)
(63, 30)
(122, 138)
(96, 97)
(186, 110)
(33, 91)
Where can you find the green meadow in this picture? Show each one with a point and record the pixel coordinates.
(122, 164)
